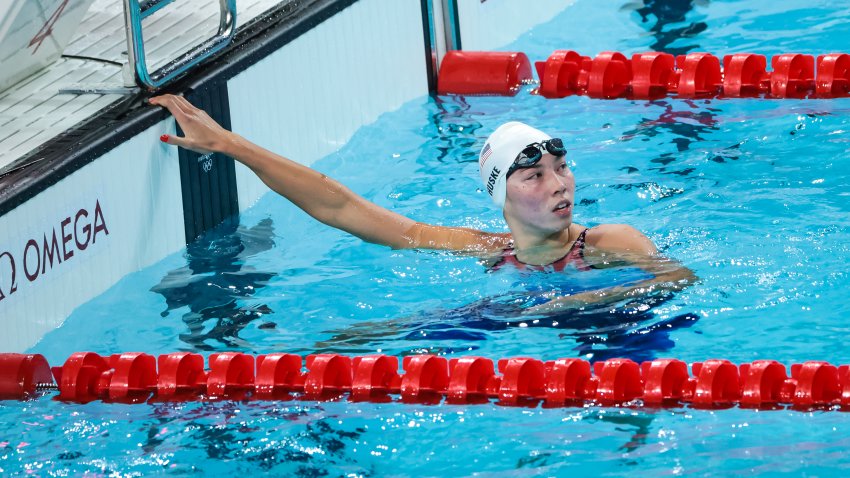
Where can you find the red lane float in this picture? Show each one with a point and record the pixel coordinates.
(133, 377)
(793, 75)
(664, 380)
(523, 381)
(563, 74)
(699, 76)
(471, 380)
(426, 379)
(610, 75)
(833, 75)
(763, 383)
(654, 75)
(649, 75)
(83, 378)
(375, 378)
(21, 375)
(569, 381)
(231, 374)
(519, 381)
(277, 376)
(715, 383)
(745, 74)
(483, 73)
(817, 383)
(328, 375)
(181, 373)
(619, 380)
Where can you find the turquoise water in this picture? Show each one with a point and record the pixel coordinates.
(752, 195)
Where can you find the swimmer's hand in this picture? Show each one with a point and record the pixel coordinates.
(202, 133)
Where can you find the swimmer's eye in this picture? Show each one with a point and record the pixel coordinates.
(534, 175)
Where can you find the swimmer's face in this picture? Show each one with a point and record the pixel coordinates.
(541, 197)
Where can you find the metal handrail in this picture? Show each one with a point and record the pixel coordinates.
(135, 11)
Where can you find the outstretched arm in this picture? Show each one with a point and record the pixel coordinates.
(318, 195)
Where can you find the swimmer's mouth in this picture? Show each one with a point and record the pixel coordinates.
(562, 205)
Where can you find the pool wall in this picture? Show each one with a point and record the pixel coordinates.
(319, 89)
(490, 25)
(117, 208)
(74, 240)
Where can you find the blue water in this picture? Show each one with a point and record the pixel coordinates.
(750, 194)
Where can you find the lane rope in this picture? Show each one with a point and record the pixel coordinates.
(647, 76)
(136, 377)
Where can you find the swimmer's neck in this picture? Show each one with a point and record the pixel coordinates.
(536, 248)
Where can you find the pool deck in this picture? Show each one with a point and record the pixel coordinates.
(40, 107)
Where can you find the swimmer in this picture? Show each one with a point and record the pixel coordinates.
(523, 170)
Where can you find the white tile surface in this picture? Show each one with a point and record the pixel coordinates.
(23, 47)
(33, 111)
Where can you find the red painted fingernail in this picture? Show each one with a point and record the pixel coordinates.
(164, 138)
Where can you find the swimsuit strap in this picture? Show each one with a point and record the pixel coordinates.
(579, 242)
(574, 255)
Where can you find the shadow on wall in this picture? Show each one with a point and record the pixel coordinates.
(215, 282)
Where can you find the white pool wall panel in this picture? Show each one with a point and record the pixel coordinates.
(491, 25)
(307, 99)
(138, 188)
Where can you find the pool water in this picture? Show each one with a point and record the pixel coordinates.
(750, 194)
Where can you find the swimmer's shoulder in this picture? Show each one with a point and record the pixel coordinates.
(619, 238)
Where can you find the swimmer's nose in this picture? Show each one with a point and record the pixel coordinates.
(560, 184)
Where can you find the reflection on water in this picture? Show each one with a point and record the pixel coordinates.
(215, 282)
(455, 130)
(639, 425)
(684, 126)
(288, 441)
(670, 23)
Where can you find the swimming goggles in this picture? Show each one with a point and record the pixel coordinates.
(531, 154)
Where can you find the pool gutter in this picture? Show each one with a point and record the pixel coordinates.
(93, 137)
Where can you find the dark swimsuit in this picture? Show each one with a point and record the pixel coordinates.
(574, 256)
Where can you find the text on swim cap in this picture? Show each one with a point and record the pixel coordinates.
(491, 181)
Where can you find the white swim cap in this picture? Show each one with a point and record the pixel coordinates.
(499, 153)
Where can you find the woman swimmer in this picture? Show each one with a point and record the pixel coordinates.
(523, 169)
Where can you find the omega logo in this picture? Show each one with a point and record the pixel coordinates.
(74, 234)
